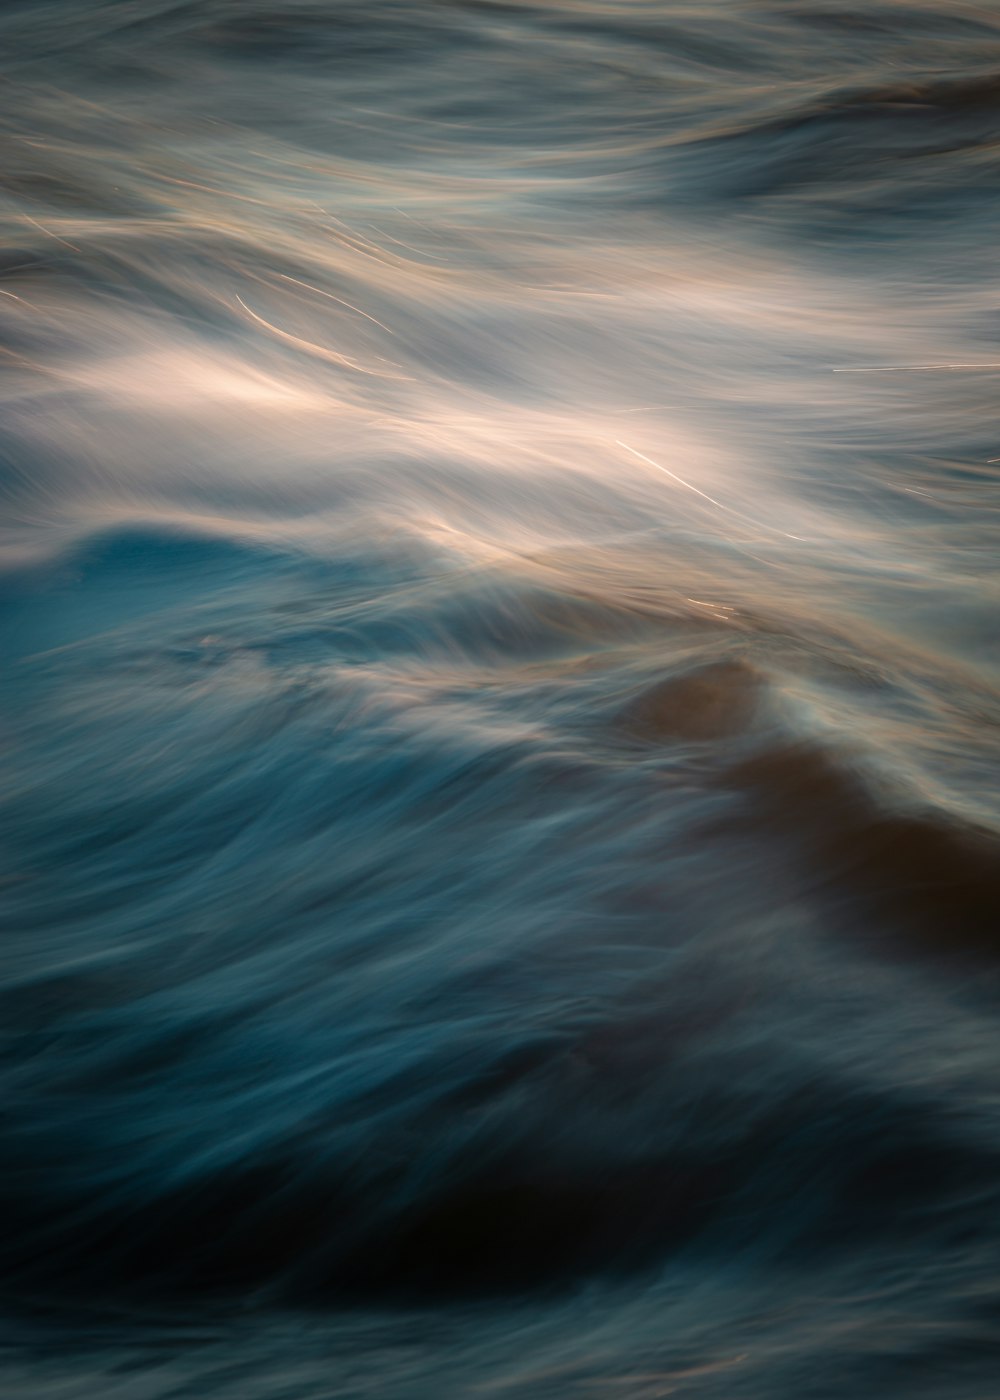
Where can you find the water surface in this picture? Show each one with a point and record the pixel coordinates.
(498, 583)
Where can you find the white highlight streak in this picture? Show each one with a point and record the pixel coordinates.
(339, 300)
(905, 369)
(312, 347)
(722, 506)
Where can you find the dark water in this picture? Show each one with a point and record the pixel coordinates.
(501, 714)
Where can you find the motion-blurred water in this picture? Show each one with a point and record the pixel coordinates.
(499, 590)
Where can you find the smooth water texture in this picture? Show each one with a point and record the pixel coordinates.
(498, 591)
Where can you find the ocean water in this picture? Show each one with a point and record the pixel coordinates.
(501, 699)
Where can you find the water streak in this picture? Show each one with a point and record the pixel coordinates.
(498, 584)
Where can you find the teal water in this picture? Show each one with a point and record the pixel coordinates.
(498, 590)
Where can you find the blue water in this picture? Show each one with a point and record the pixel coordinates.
(501, 699)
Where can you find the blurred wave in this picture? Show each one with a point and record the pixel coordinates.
(498, 577)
